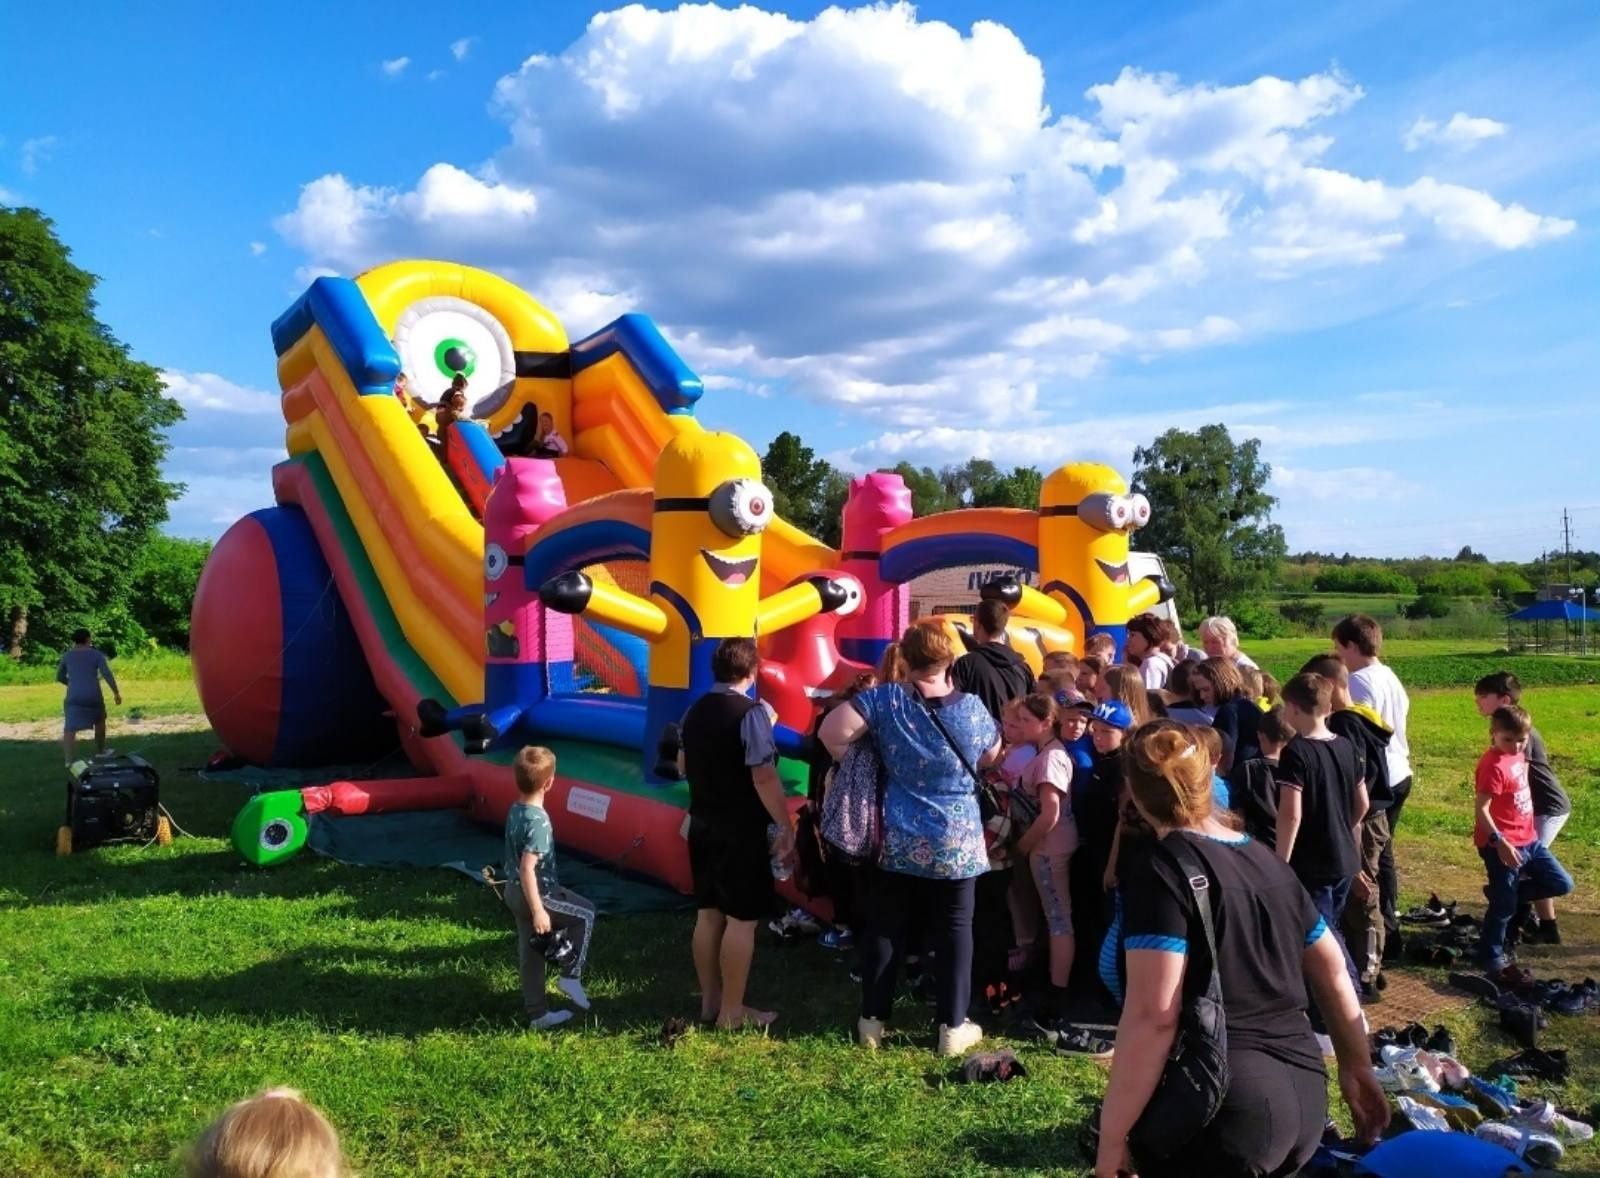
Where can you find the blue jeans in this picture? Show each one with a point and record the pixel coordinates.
(1540, 877)
(1329, 901)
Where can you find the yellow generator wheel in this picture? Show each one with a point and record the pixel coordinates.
(164, 831)
(63, 840)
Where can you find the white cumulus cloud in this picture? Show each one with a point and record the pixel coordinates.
(257, 248)
(1462, 131)
(461, 47)
(881, 213)
(208, 391)
(393, 67)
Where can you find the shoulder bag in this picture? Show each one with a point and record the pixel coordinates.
(852, 805)
(1196, 1078)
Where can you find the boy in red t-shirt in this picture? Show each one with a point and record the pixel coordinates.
(1521, 868)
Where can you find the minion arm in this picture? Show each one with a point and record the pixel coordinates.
(575, 593)
(1025, 601)
(793, 605)
(1148, 592)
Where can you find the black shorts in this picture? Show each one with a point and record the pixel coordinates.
(732, 871)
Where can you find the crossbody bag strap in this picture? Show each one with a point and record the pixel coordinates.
(933, 714)
(1200, 884)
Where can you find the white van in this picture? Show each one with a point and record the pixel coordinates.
(956, 590)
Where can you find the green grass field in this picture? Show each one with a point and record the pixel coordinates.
(141, 990)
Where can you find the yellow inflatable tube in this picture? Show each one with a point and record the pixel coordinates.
(461, 616)
(442, 526)
(461, 673)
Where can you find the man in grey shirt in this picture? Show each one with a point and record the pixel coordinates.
(81, 669)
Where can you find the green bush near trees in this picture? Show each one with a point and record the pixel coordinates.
(1362, 578)
(1429, 605)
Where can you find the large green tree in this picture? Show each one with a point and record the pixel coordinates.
(1020, 488)
(799, 481)
(928, 493)
(82, 438)
(1211, 515)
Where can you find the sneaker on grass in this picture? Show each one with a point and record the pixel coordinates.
(837, 938)
(1082, 1041)
(550, 1019)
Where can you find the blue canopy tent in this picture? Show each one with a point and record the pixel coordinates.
(1543, 615)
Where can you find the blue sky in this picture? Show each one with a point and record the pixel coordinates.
(1031, 231)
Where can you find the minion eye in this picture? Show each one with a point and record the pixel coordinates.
(442, 337)
(1099, 511)
(495, 562)
(854, 597)
(1141, 511)
(741, 507)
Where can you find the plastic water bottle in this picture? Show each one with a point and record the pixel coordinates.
(780, 866)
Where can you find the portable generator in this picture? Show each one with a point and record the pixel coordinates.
(112, 799)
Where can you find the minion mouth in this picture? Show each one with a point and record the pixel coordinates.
(729, 572)
(490, 598)
(1116, 573)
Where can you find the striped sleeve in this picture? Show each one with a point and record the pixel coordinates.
(1156, 943)
(1156, 908)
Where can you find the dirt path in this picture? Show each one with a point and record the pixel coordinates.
(119, 726)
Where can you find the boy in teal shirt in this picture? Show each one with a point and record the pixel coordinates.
(538, 902)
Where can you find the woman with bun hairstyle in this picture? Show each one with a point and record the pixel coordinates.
(1270, 944)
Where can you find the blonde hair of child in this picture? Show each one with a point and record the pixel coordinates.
(1101, 646)
(1127, 686)
(534, 768)
(274, 1134)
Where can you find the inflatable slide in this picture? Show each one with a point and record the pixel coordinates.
(556, 565)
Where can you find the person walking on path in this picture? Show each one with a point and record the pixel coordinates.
(81, 669)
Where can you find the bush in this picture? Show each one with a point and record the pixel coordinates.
(1507, 583)
(1362, 578)
(1304, 615)
(1457, 582)
(1256, 619)
(161, 591)
(1429, 605)
(117, 632)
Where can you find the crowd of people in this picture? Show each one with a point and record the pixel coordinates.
(1156, 834)
(1033, 847)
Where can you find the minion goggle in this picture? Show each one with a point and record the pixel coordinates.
(739, 507)
(1105, 512)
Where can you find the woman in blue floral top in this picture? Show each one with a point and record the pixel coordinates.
(933, 846)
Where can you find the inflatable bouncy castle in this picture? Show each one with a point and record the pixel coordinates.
(460, 588)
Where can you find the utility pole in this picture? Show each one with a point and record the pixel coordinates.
(1566, 542)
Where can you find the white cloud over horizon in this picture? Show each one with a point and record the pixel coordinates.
(1463, 131)
(870, 207)
(222, 451)
(883, 217)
